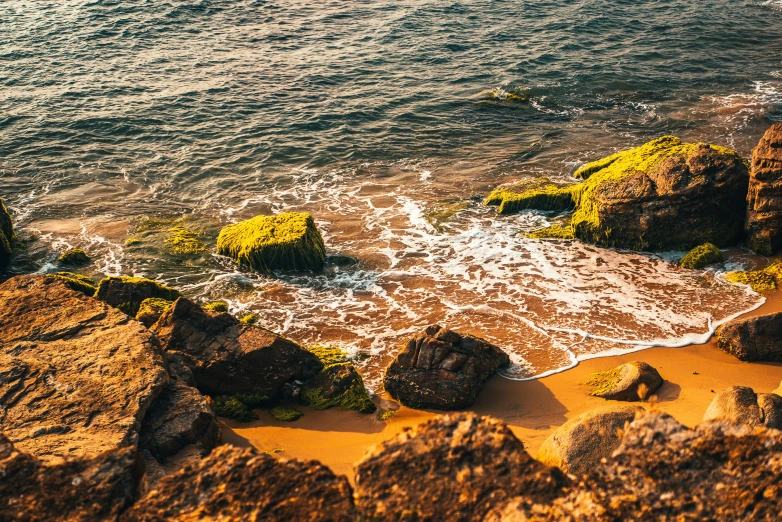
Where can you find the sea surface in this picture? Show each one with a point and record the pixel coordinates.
(122, 119)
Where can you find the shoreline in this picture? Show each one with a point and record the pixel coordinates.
(533, 409)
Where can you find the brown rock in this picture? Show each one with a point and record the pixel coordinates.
(756, 338)
(76, 376)
(742, 405)
(764, 198)
(584, 441)
(241, 484)
(127, 293)
(454, 467)
(632, 381)
(440, 369)
(232, 357)
(86, 489)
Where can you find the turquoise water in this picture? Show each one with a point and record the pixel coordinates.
(368, 114)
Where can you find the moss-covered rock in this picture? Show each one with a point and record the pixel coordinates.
(233, 408)
(127, 293)
(7, 236)
(760, 281)
(701, 256)
(662, 195)
(184, 241)
(249, 318)
(338, 384)
(440, 213)
(288, 241)
(150, 310)
(74, 256)
(552, 232)
(78, 282)
(216, 306)
(282, 413)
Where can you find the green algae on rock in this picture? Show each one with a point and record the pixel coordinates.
(338, 384)
(78, 282)
(760, 281)
(74, 256)
(249, 318)
(184, 241)
(216, 306)
(288, 241)
(7, 236)
(127, 293)
(233, 408)
(282, 413)
(441, 212)
(552, 232)
(150, 310)
(664, 194)
(701, 256)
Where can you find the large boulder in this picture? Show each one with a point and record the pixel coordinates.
(584, 441)
(632, 381)
(228, 357)
(665, 471)
(7, 236)
(242, 484)
(764, 198)
(441, 369)
(127, 293)
(756, 338)
(76, 375)
(454, 467)
(662, 195)
(288, 241)
(741, 405)
(87, 489)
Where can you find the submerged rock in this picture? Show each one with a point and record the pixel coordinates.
(440, 369)
(76, 375)
(74, 256)
(756, 338)
(230, 357)
(764, 198)
(741, 405)
(662, 195)
(288, 241)
(7, 236)
(127, 293)
(701, 257)
(242, 484)
(454, 467)
(86, 489)
(632, 381)
(582, 442)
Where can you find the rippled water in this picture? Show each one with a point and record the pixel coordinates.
(369, 115)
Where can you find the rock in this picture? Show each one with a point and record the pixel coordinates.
(150, 310)
(454, 467)
(741, 405)
(701, 257)
(127, 293)
(216, 306)
(764, 198)
(78, 282)
(231, 357)
(7, 236)
(179, 365)
(74, 256)
(761, 281)
(241, 484)
(582, 442)
(756, 338)
(288, 241)
(440, 369)
(338, 384)
(76, 376)
(88, 489)
(664, 471)
(180, 416)
(663, 195)
(632, 381)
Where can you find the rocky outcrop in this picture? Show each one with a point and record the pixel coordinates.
(664, 471)
(337, 385)
(7, 236)
(764, 198)
(584, 441)
(632, 381)
(242, 484)
(229, 357)
(756, 338)
(127, 293)
(662, 195)
(150, 310)
(440, 369)
(88, 489)
(741, 405)
(76, 375)
(455, 467)
(701, 257)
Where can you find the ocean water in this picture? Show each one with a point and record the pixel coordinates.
(122, 119)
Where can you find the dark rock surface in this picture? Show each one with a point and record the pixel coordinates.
(455, 467)
(242, 484)
(764, 198)
(440, 369)
(756, 338)
(632, 381)
(228, 356)
(76, 375)
(741, 405)
(127, 293)
(7, 236)
(86, 489)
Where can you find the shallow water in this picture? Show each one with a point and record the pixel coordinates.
(369, 115)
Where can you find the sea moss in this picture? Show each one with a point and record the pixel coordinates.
(78, 282)
(216, 306)
(184, 241)
(150, 310)
(233, 408)
(604, 381)
(282, 413)
(701, 256)
(385, 415)
(74, 256)
(337, 384)
(539, 193)
(249, 318)
(127, 293)
(760, 281)
(288, 241)
(328, 355)
(552, 232)
(442, 212)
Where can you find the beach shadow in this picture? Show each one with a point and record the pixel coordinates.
(527, 404)
(669, 391)
(330, 420)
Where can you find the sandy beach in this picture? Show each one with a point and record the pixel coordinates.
(533, 409)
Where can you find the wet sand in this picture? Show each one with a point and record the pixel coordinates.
(533, 409)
